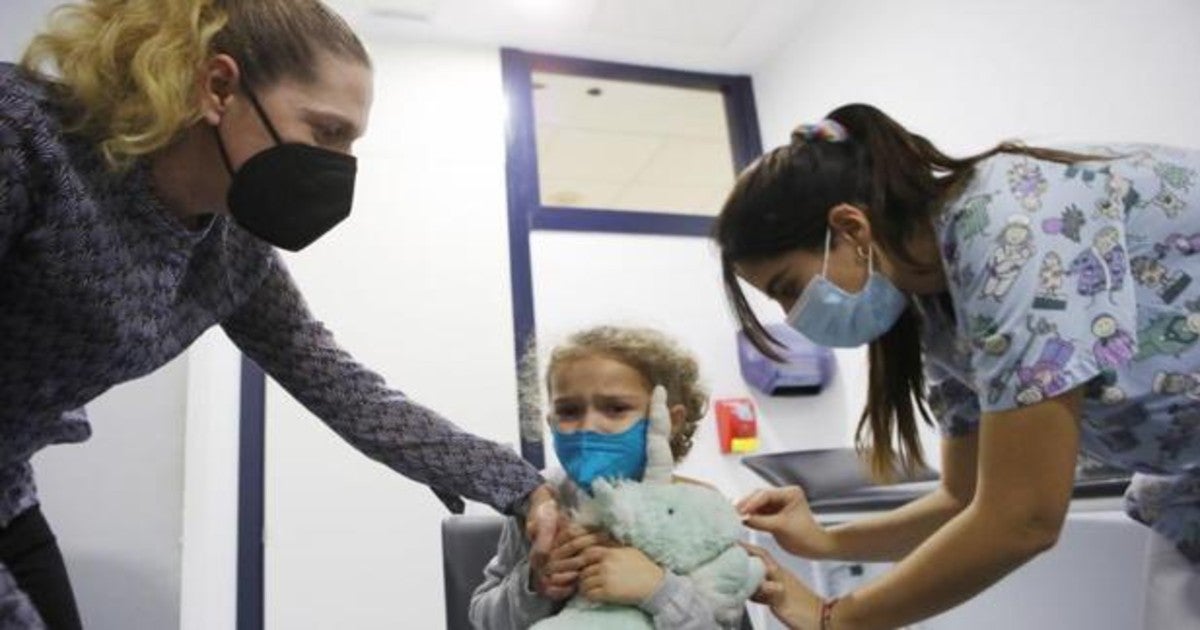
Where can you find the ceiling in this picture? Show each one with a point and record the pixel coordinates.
(635, 146)
(732, 36)
(632, 146)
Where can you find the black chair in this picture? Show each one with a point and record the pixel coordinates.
(468, 543)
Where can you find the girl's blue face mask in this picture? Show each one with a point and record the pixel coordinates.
(591, 455)
(830, 316)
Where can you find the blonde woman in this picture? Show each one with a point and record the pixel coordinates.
(152, 153)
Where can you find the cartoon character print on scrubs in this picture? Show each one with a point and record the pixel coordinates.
(1027, 184)
(1120, 434)
(1069, 224)
(975, 219)
(964, 271)
(1114, 350)
(1036, 381)
(1121, 196)
(1187, 384)
(1168, 334)
(1149, 272)
(986, 334)
(1185, 421)
(1050, 284)
(1083, 276)
(1166, 282)
(1014, 249)
(1045, 377)
(1185, 244)
(1100, 269)
(1175, 182)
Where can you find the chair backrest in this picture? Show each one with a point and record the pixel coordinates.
(468, 543)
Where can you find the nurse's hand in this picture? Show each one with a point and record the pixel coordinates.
(793, 603)
(784, 513)
(541, 524)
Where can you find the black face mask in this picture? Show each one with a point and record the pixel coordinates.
(290, 194)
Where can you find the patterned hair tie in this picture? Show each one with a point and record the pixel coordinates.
(825, 131)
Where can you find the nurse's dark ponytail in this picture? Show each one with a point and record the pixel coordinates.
(780, 203)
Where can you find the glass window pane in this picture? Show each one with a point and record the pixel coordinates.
(625, 145)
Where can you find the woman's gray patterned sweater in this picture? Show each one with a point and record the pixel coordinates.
(99, 284)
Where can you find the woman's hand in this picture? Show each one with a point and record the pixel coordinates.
(784, 513)
(542, 521)
(792, 603)
(557, 578)
(619, 575)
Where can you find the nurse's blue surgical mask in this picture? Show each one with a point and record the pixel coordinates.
(831, 316)
(590, 455)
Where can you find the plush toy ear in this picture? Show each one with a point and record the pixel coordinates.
(659, 461)
(602, 491)
(609, 506)
(592, 508)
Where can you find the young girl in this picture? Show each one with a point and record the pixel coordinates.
(600, 384)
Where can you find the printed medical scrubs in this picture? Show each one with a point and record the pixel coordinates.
(1081, 275)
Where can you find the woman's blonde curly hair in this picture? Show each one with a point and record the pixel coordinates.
(658, 358)
(127, 70)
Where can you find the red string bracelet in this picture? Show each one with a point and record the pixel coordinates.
(827, 613)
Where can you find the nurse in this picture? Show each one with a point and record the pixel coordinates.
(153, 153)
(1033, 301)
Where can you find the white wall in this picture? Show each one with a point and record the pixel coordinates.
(115, 502)
(968, 74)
(416, 286)
(19, 21)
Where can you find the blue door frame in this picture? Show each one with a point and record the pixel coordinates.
(526, 213)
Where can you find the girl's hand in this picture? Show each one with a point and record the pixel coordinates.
(784, 513)
(792, 603)
(619, 575)
(557, 578)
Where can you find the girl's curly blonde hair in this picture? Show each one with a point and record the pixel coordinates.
(126, 70)
(657, 357)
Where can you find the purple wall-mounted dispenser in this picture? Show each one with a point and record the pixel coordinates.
(808, 367)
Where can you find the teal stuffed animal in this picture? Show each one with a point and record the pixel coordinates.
(685, 528)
